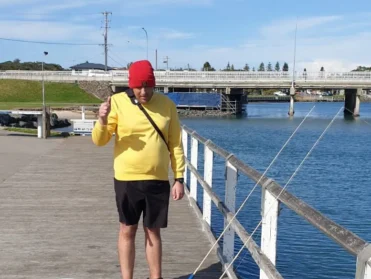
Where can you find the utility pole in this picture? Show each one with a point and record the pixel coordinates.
(166, 60)
(156, 59)
(105, 35)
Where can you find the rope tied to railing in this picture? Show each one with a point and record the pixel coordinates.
(283, 189)
(246, 199)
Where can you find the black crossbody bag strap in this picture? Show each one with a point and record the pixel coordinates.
(131, 95)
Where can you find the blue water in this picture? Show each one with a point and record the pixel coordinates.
(335, 179)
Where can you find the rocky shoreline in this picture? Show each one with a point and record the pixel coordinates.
(61, 118)
(30, 121)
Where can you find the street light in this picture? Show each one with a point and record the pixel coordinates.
(147, 39)
(43, 84)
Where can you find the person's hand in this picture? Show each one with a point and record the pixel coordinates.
(178, 191)
(104, 110)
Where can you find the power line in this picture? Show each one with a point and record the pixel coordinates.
(48, 43)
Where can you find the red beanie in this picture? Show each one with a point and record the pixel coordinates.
(141, 75)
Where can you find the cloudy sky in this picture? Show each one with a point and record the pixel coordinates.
(335, 34)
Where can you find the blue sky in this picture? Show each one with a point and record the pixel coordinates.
(333, 34)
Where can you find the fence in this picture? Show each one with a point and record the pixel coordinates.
(264, 255)
(193, 76)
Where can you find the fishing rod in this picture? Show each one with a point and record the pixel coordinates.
(248, 196)
(292, 176)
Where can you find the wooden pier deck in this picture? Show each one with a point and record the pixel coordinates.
(58, 215)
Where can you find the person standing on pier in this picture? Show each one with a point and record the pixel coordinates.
(142, 156)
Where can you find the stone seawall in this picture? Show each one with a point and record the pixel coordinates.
(100, 89)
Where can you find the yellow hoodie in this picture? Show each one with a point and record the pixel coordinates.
(139, 152)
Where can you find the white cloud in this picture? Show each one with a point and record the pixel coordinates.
(10, 3)
(173, 34)
(167, 2)
(284, 27)
(47, 31)
(66, 5)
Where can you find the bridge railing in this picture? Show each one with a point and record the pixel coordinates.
(264, 255)
(192, 76)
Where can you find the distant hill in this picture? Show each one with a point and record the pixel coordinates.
(362, 69)
(32, 66)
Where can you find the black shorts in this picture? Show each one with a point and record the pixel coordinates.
(148, 196)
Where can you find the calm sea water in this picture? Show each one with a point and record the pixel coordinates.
(335, 179)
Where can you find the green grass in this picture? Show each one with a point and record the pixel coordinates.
(28, 94)
(30, 131)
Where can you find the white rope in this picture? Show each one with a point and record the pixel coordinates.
(292, 176)
(244, 202)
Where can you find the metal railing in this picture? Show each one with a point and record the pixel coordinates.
(264, 255)
(193, 76)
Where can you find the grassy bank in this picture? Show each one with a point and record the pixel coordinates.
(28, 94)
(30, 131)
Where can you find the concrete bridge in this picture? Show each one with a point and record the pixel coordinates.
(215, 79)
(231, 84)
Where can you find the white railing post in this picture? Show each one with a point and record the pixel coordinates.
(363, 268)
(208, 177)
(194, 159)
(230, 202)
(270, 209)
(83, 112)
(185, 150)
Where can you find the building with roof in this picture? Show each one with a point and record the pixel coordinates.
(90, 66)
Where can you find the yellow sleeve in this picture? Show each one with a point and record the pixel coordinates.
(175, 144)
(102, 134)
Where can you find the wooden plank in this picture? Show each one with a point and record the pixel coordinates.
(230, 203)
(58, 216)
(270, 206)
(208, 175)
(194, 160)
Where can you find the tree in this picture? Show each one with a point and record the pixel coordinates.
(261, 67)
(232, 67)
(246, 68)
(207, 67)
(29, 66)
(285, 67)
(253, 69)
(228, 68)
(322, 69)
(362, 69)
(269, 68)
(277, 67)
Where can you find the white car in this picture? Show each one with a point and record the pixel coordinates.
(279, 93)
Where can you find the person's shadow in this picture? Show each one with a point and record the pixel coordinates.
(211, 272)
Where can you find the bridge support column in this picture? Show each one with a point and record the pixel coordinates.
(291, 109)
(352, 102)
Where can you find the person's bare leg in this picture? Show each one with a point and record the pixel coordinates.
(153, 246)
(126, 247)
